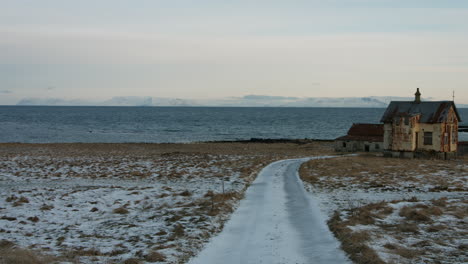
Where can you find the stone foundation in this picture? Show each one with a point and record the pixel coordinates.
(420, 154)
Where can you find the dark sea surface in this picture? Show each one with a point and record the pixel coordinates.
(59, 124)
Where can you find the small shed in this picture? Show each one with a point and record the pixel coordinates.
(361, 137)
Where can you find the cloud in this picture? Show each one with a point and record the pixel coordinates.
(5, 92)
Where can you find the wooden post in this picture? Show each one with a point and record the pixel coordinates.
(223, 186)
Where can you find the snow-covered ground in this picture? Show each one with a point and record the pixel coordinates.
(410, 211)
(106, 209)
(277, 222)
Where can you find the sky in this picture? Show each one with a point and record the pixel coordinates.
(205, 49)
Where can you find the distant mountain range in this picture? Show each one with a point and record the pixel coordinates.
(245, 101)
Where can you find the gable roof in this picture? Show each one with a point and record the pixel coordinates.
(365, 132)
(431, 112)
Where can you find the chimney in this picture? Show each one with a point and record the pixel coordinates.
(417, 96)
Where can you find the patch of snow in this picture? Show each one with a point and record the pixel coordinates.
(277, 222)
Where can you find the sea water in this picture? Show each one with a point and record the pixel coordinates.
(60, 124)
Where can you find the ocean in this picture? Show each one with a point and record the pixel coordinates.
(67, 124)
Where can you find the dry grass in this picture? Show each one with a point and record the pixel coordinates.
(419, 220)
(21, 256)
(139, 150)
(430, 221)
(407, 252)
(120, 210)
(9, 254)
(155, 256)
(414, 214)
(132, 261)
(372, 172)
(407, 228)
(353, 243)
(161, 162)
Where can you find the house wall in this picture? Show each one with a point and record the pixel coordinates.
(416, 132)
(444, 135)
(357, 145)
(452, 132)
(436, 137)
(401, 135)
(387, 143)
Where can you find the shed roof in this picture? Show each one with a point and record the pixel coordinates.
(365, 132)
(431, 112)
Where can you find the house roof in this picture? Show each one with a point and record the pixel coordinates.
(431, 112)
(365, 132)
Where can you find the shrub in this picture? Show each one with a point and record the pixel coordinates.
(178, 230)
(414, 214)
(407, 253)
(408, 228)
(185, 193)
(121, 210)
(11, 198)
(46, 207)
(435, 210)
(132, 261)
(22, 200)
(155, 256)
(436, 228)
(33, 219)
(442, 202)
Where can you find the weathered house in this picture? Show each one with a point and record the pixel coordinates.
(417, 128)
(361, 137)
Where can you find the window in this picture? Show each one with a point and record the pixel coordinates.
(406, 121)
(454, 136)
(344, 144)
(397, 121)
(377, 146)
(427, 138)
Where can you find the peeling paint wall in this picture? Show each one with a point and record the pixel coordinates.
(453, 121)
(436, 137)
(402, 134)
(406, 133)
(387, 144)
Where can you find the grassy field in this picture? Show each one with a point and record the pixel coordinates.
(387, 210)
(124, 203)
(145, 203)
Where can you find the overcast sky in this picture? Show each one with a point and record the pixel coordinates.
(210, 49)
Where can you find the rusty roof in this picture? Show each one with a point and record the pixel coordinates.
(431, 112)
(365, 132)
